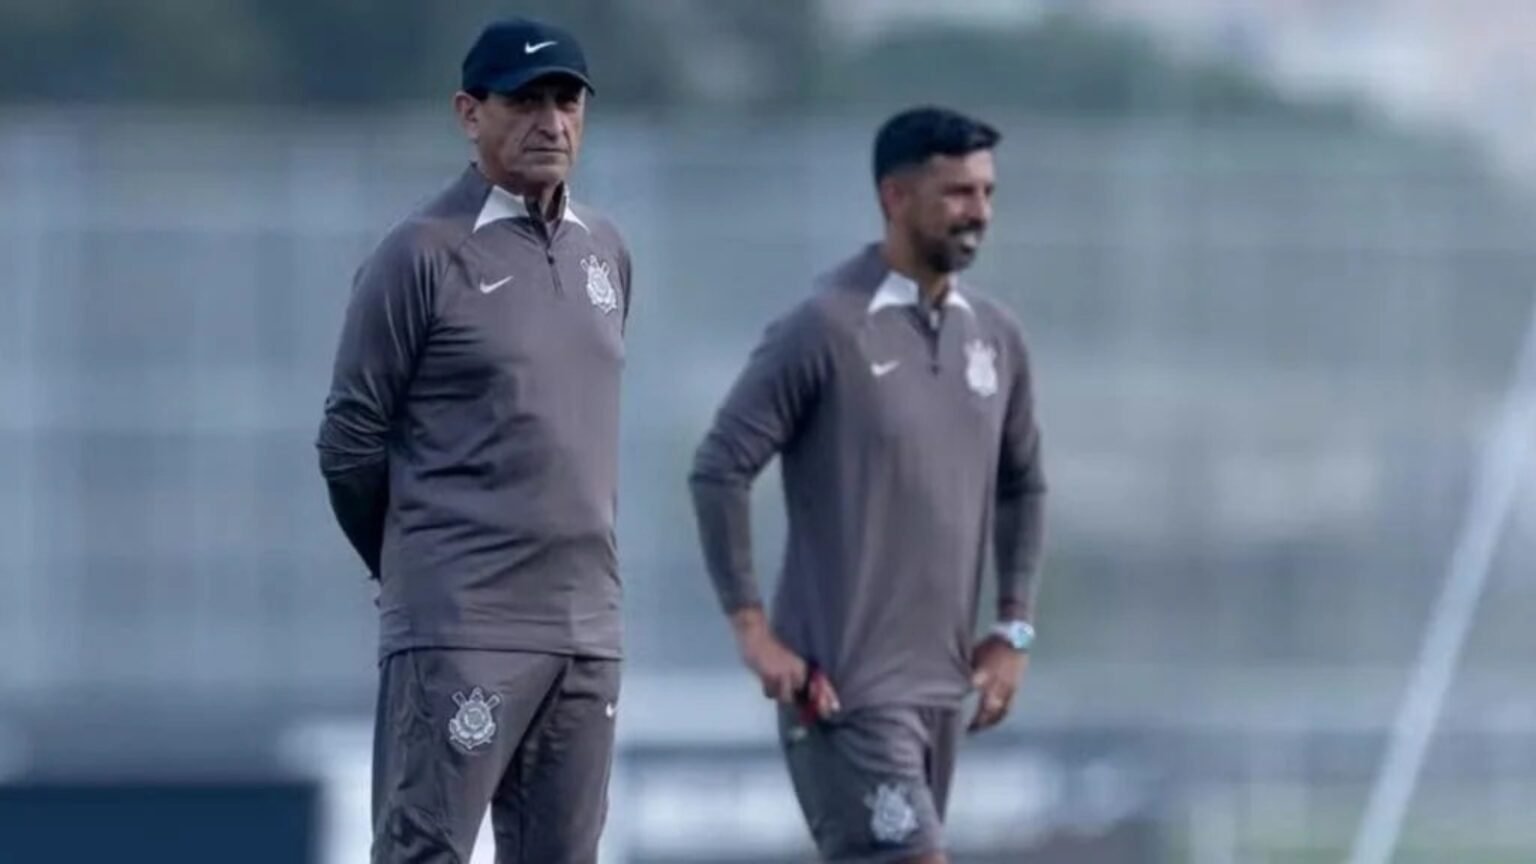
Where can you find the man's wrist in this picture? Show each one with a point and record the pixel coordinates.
(748, 621)
(1015, 610)
(1018, 633)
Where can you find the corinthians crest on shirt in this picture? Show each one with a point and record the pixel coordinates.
(981, 368)
(600, 288)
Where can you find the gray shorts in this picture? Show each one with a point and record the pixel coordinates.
(530, 735)
(873, 783)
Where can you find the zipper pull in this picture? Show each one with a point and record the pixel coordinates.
(554, 272)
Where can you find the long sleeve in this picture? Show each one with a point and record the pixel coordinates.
(386, 326)
(762, 414)
(1020, 514)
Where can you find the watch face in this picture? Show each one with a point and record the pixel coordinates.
(1018, 634)
(1021, 635)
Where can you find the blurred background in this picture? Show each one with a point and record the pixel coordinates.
(1275, 262)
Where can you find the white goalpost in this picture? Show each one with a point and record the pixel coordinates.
(1500, 473)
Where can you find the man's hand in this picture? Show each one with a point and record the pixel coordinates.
(996, 671)
(780, 671)
(818, 698)
(784, 675)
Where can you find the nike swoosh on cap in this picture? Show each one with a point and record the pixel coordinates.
(529, 48)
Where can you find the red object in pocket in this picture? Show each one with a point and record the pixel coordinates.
(810, 696)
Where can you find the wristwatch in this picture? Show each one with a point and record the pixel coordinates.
(1019, 634)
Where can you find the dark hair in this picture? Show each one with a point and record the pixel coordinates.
(917, 134)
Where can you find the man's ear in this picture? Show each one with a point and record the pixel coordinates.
(892, 191)
(467, 108)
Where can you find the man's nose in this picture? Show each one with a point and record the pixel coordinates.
(547, 118)
(978, 209)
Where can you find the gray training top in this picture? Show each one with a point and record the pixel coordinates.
(906, 435)
(470, 441)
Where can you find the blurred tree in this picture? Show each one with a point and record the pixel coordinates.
(1060, 65)
(133, 50)
(743, 54)
(347, 52)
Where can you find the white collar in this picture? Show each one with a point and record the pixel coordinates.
(898, 290)
(501, 204)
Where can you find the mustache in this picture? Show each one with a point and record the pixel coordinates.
(964, 227)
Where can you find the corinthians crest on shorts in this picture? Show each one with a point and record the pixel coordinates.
(981, 368)
(473, 725)
(600, 284)
(891, 816)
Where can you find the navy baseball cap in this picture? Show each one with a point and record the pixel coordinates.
(515, 51)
